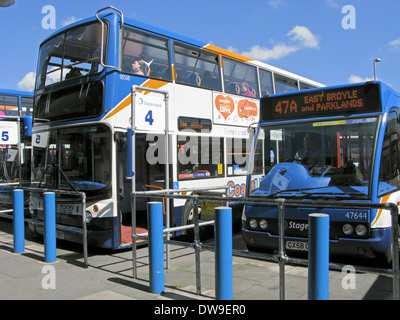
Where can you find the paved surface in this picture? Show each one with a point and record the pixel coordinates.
(109, 276)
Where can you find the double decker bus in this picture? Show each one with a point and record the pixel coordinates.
(16, 109)
(334, 143)
(84, 88)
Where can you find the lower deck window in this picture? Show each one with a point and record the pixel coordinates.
(200, 157)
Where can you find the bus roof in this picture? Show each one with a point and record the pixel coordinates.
(16, 92)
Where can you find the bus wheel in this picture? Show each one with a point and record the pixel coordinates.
(188, 218)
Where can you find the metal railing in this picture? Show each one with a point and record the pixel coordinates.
(82, 195)
(281, 257)
(171, 193)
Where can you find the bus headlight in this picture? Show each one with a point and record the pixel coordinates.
(253, 223)
(263, 224)
(347, 229)
(361, 230)
(88, 217)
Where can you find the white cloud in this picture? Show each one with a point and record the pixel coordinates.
(69, 20)
(233, 49)
(277, 52)
(355, 79)
(332, 3)
(275, 3)
(28, 82)
(395, 44)
(300, 38)
(303, 35)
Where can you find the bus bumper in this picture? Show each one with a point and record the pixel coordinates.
(377, 246)
(95, 238)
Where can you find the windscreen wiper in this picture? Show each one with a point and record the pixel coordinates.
(295, 190)
(330, 195)
(66, 178)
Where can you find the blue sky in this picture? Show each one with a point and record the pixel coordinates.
(311, 38)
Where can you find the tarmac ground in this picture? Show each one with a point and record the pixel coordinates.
(109, 276)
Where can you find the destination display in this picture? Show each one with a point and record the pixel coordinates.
(322, 103)
(195, 124)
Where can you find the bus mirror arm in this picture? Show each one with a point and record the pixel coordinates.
(102, 35)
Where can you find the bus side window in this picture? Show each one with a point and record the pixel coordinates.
(196, 67)
(240, 78)
(284, 84)
(267, 86)
(145, 55)
(200, 157)
(9, 105)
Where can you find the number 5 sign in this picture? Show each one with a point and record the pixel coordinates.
(8, 132)
(150, 112)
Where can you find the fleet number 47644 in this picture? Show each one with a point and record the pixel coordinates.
(356, 215)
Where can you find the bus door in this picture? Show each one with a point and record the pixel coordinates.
(149, 175)
(149, 152)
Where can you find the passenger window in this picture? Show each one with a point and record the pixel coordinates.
(284, 84)
(200, 157)
(27, 106)
(145, 55)
(304, 86)
(197, 68)
(266, 83)
(240, 78)
(9, 105)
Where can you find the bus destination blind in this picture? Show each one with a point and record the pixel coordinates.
(321, 103)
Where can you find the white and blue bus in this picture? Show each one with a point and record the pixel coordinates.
(84, 82)
(334, 143)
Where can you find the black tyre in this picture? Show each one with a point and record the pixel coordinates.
(188, 218)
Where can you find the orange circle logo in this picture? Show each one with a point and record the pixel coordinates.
(246, 109)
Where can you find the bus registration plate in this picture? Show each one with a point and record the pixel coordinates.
(67, 209)
(208, 206)
(297, 245)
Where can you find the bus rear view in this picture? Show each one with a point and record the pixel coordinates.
(336, 143)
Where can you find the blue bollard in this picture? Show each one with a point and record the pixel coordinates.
(18, 221)
(223, 253)
(318, 256)
(156, 249)
(50, 227)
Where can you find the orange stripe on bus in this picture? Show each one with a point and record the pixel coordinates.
(3, 107)
(227, 53)
(383, 200)
(150, 83)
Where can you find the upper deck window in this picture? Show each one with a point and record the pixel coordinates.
(283, 84)
(71, 54)
(240, 78)
(27, 106)
(8, 105)
(304, 86)
(267, 86)
(197, 67)
(145, 55)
